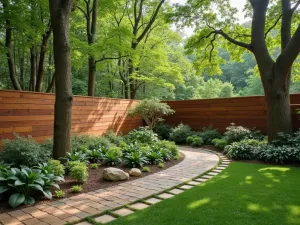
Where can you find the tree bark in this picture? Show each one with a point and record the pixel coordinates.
(43, 50)
(9, 50)
(22, 69)
(92, 76)
(32, 68)
(60, 12)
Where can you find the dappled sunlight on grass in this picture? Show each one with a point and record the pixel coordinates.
(199, 203)
(244, 193)
(257, 208)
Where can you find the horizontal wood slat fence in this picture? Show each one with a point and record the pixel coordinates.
(29, 113)
(219, 113)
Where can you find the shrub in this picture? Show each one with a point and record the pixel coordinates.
(208, 134)
(71, 164)
(94, 165)
(163, 130)
(280, 154)
(180, 133)
(169, 145)
(142, 135)
(95, 155)
(79, 172)
(154, 157)
(151, 110)
(246, 149)
(287, 139)
(76, 189)
(135, 159)
(113, 156)
(89, 141)
(194, 140)
(25, 184)
(58, 168)
(146, 169)
(219, 143)
(77, 156)
(59, 193)
(161, 165)
(24, 151)
(113, 138)
(236, 133)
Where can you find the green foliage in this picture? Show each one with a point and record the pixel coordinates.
(154, 157)
(24, 151)
(79, 172)
(151, 110)
(214, 88)
(77, 156)
(146, 169)
(58, 168)
(76, 188)
(94, 165)
(60, 193)
(161, 165)
(142, 135)
(208, 134)
(170, 146)
(26, 183)
(219, 143)
(85, 142)
(180, 133)
(194, 140)
(162, 130)
(280, 154)
(135, 159)
(113, 156)
(236, 133)
(246, 149)
(96, 155)
(113, 138)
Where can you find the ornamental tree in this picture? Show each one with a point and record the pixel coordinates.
(151, 110)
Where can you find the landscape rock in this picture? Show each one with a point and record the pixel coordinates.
(114, 174)
(135, 172)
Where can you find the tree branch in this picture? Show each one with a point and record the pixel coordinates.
(106, 58)
(274, 25)
(84, 13)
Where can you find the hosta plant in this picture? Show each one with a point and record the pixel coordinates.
(135, 159)
(154, 157)
(113, 156)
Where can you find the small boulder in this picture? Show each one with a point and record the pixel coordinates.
(114, 174)
(135, 172)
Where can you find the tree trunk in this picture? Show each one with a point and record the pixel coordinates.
(92, 76)
(32, 68)
(40, 74)
(9, 50)
(22, 69)
(278, 103)
(60, 12)
(51, 84)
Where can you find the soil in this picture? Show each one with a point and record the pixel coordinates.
(95, 181)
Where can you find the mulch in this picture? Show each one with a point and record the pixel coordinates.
(95, 181)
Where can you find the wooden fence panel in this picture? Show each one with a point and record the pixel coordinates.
(219, 113)
(30, 113)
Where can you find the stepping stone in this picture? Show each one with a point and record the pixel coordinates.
(176, 191)
(194, 183)
(165, 196)
(83, 223)
(104, 219)
(123, 212)
(212, 173)
(201, 179)
(139, 206)
(152, 201)
(186, 187)
(217, 171)
(207, 176)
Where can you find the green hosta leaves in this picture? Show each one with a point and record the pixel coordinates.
(16, 199)
(29, 201)
(3, 189)
(47, 194)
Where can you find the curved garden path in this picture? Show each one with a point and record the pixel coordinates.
(196, 162)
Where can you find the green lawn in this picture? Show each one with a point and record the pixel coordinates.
(242, 194)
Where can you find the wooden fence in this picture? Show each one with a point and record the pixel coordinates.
(219, 113)
(29, 113)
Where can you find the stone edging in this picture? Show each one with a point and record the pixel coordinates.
(105, 205)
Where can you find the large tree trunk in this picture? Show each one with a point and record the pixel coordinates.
(92, 76)
(22, 69)
(60, 12)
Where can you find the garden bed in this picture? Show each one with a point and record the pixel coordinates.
(94, 182)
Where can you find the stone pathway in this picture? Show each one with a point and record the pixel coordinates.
(196, 162)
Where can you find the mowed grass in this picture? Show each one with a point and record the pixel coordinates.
(242, 194)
